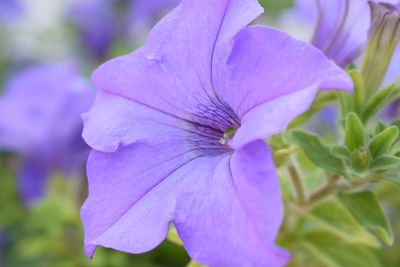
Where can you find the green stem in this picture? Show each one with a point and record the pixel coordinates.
(298, 186)
(332, 187)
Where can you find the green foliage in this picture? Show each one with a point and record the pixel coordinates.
(366, 210)
(378, 101)
(50, 234)
(359, 90)
(392, 176)
(332, 216)
(385, 162)
(354, 133)
(382, 142)
(275, 7)
(334, 252)
(316, 151)
(380, 126)
(340, 152)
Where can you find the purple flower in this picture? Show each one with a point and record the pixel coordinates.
(177, 133)
(144, 13)
(342, 27)
(97, 24)
(101, 22)
(9, 10)
(40, 120)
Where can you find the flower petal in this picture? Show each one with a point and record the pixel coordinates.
(272, 117)
(115, 120)
(266, 63)
(173, 71)
(342, 28)
(132, 195)
(229, 213)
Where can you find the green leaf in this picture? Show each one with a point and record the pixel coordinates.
(354, 133)
(380, 127)
(334, 252)
(392, 176)
(382, 142)
(396, 123)
(359, 90)
(317, 152)
(379, 100)
(367, 211)
(385, 162)
(340, 152)
(345, 102)
(334, 217)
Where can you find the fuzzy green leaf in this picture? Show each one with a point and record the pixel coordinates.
(382, 142)
(340, 152)
(354, 133)
(380, 127)
(332, 216)
(334, 252)
(367, 211)
(392, 176)
(385, 163)
(379, 100)
(317, 152)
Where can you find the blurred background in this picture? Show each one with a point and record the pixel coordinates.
(48, 50)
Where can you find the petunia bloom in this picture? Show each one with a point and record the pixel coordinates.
(96, 21)
(177, 130)
(384, 36)
(40, 120)
(341, 27)
(101, 22)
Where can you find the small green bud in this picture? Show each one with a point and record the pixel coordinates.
(360, 160)
(384, 34)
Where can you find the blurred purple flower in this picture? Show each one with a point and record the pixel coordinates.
(97, 23)
(144, 13)
(9, 10)
(342, 26)
(324, 122)
(101, 21)
(41, 121)
(177, 131)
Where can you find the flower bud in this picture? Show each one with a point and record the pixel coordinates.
(384, 34)
(360, 160)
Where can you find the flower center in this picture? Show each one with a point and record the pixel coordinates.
(212, 126)
(228, 134)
